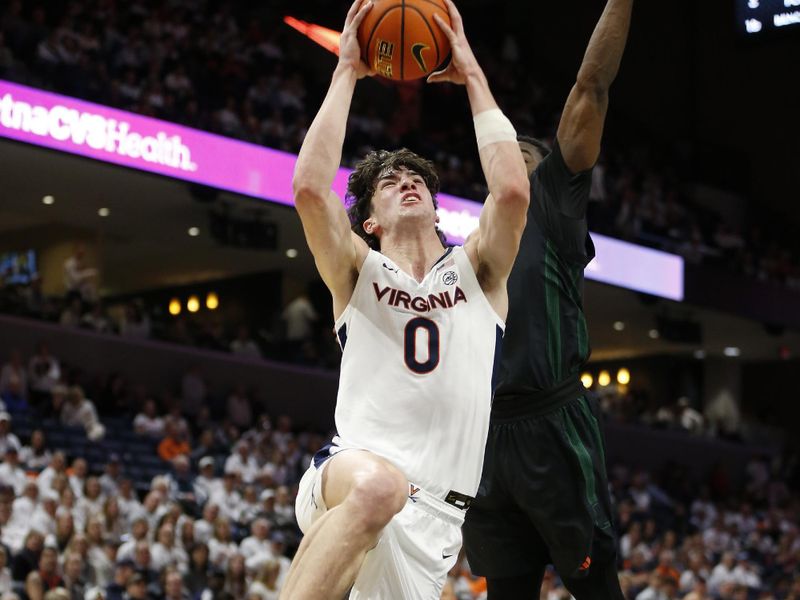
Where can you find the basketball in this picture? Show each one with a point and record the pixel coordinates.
(401, 40)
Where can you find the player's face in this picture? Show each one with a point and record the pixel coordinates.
(401, 194)
(531, 155)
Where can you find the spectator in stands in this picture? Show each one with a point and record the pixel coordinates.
(205, 483)
(135, 323)
(148, 422)
(25, 503)
(36, 456)
(284, 507)
(48, 573)
(196, 577)
(193, 391)
(44, 373)
(265, 583)
(114, 523)
(243, 462)
(204, 528)
(79, 411)
(173, 444)
(96, 319)
(92, 501)
(123, 571)
(239, 408)
(166, 553)
(244, 345)
(257, 545)
(129, 504)
(10, 472)
(112, 475)
(13, 378)
(228, 498)
(7, 438)
(136, 586)
(182, 480)
(6, 584)
(173, 586)
(78, 473)
(72, 313)
(221, 546)
(73, 581)
(43, 518)
(143, 562)
(152, 507)
(57, 466)
(80, 281)
(175, 417)
(299, 318)
(139, 529)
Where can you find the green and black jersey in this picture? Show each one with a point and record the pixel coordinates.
(546, 340)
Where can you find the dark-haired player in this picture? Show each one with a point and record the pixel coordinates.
(382, 506)
(543, 496)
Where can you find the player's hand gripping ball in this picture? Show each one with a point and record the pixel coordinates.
(400, 40)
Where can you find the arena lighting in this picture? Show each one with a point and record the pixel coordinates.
(623, 376)
(134, 141)
(604, 378)
(212, 301)
(732, 351)
(174, 307)
(48, 200)
(653, 334)
(327, 38)
(193, 304)
(587, 380)
(291, 253)
(103, 212)
(619, 326)
(699, 354)
(193, 231)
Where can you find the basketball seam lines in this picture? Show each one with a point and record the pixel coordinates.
(433, 35)
(403, 40)
(372, 33)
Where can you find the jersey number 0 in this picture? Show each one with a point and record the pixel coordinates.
(432, 361)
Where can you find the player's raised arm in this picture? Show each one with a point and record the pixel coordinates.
(581, 126)
(503, 216)
(335, 248)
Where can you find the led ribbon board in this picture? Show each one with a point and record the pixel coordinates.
(146, 144)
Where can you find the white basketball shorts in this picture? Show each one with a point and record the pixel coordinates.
(415, 550)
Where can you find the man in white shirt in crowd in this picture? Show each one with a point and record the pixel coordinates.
(139, 530)
(258, 544)
(243, 462)
(79, 280)
(11, 473)
(228, 498)
(7, 438)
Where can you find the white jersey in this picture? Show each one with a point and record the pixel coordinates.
(417, 369)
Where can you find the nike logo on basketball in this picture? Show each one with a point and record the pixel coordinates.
(416, 52)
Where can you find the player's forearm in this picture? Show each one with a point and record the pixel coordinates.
(604, 53)
(501, 161)
(321, 153)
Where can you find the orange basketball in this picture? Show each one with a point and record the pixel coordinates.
(401, 40)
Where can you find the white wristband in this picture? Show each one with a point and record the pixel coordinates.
(492, 126)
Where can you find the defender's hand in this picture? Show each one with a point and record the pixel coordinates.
(462, 62)
(349, 49)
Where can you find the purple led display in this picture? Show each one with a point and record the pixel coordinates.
(146, 144)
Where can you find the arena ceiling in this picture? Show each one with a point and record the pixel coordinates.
(145, 244)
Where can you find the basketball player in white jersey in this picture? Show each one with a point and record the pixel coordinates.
(420, 326)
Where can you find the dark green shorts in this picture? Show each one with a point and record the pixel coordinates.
(543, 495)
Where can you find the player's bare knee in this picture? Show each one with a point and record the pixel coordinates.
(378, 496)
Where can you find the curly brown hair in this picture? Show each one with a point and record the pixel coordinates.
(362, 182)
